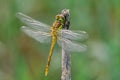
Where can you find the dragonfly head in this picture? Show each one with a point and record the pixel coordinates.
(60, 18)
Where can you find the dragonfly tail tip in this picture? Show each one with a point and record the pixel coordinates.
(46, 73)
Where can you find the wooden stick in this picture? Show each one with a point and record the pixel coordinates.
(66, 62)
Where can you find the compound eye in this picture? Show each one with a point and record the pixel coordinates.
(61, 20)
(57, 17)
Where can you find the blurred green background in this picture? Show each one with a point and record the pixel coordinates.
(23, 58)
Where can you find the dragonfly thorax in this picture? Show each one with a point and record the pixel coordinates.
(54, 31)
(57, 24)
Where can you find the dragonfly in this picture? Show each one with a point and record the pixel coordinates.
(44, 33)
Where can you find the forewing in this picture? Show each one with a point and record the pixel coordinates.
(40, 36)
(73, 35)
(33, 23)
(71, 46)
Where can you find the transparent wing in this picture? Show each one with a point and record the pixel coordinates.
(71, 46)
(40, 36)
(33, 23)
(73, 35)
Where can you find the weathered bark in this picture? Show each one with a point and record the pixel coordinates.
(66, 62)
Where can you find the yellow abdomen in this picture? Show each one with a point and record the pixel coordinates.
(54, 39)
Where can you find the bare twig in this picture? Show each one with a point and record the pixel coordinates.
(66, 63)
